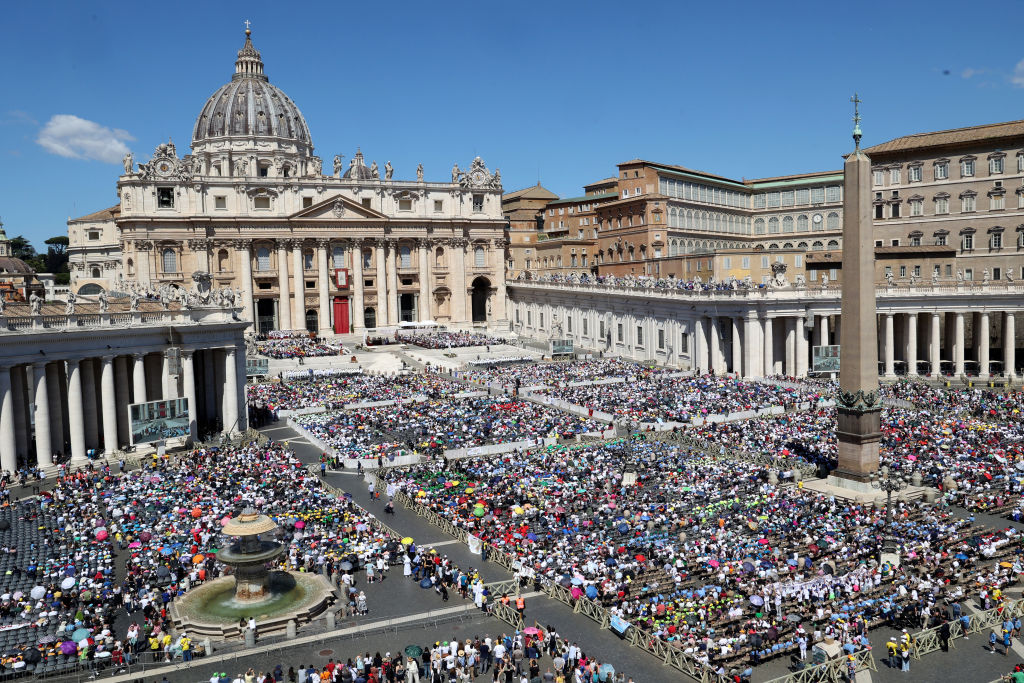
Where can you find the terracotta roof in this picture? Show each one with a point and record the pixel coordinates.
(536, 190)
(954, 136)
(603, 181)
(104, 215)
(680, 169)
(797, 176)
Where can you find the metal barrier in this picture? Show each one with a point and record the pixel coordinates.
(927, 641)
(833, 671)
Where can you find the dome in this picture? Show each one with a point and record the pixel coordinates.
(250, 106)
(358, 170)
(12, 265)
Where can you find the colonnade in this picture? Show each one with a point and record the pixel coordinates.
(80, 403)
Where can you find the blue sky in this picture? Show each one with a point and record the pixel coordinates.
(557, 91)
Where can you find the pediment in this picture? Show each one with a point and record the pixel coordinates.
(339, 207)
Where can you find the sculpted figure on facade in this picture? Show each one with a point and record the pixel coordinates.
(374, 171)
(129, 164)
(388, 170)
(69, 307)
(419, 173)
(240, 167)
(985, 276)
(337, 165)
(135, 298)
(35, 303)
(104, 301)
(456, 173)
(959, 275)
(316, 164)
(888, 278)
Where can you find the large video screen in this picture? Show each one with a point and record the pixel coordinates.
(159, 420)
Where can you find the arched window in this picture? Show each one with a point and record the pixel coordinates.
(405, 256)
(787, 224)
(131, 267)
(833, 244)
(802, 224)
(338, 256)
(817, 246)
(222, 261)
(367, 258)
(833, 221)
(801, 245)
(759, 226)
(439, 258)
(773, 225)
(95, 272)
(263, 259)
(169, 261)
(480, 258)
(773, 246)
(787, 245)
(307, 259)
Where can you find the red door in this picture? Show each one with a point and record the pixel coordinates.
(341, 323)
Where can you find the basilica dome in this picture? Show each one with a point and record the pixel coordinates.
(250, 107)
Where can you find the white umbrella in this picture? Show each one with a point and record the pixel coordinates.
(67, 583)
(38, 592)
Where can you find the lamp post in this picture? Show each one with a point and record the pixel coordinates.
(890, 483)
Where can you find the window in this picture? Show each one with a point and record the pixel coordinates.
(798, 261)
(405, 205)
(917, 271)
(916, 207)
(338, 257)
(802, 224)
(941, 170)
(759, 226)
(220, 202)
(773, 225)
(817, 195)
(996, 241)
(787, 224)
(764, 261)
(941, 205)
(661, 338)
(833, 221)
(894, 243)
(263, 171)
(879, 178)
(914, 174)
(169, 261)
(95, 272)
(367, 258)
(968, 203)
(803, 196)
(585, 326)
(263, 259)
(759, 201)
(996, 202)
(639, 336)
(968, 242)
(915, 241)
(903, 271)
(568, 324)
(787, 198)
(540, 320)
(307, 260)
(262, 202)
(997, 274)
(746, 263)
(404, 257)
(165, 197)
(894, 210)
(478, 203)
(894, 176)
(940, 240)
(773, 200)
(94, 235)
(727, 262)
(479, 258)
(966, 168)
(600, 329)
(995, 165)
(879, 211)
(888, 271)
(618, 333)
(438, 206)
(878, 243)
(307, 202)
(968, 274)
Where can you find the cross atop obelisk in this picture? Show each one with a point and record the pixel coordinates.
(859, 405)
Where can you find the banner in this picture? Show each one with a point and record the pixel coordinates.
(618, 624)
(475, 546)
(158, 420)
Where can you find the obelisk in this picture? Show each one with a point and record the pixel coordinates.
(859, 404)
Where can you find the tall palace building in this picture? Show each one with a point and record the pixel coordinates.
(252, 207)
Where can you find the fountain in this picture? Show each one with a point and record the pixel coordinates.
(273, 598)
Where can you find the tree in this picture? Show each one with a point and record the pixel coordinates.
(58, 244)
(22, 248)
(56, 259)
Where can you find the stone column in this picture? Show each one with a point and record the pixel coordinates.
(912, 344)
(76, 418)
(21, 417)
(356, 311)
(143, 249)
(230, 391)
(934, 341)
(715, 339)
(248, 305)
(700, 346)
(769, 345)
(284, 306)
(801, 346)
(1009, 345)
(44, 446)
(822, 330)
(121, 400)
(890, 347)
(458, 274)
(382, 283)
(299, 291)
(109, 404)
(139, 378)
(189, 389)
(753, 355)
(8, 455)
(958, 345)
(983, 346)
(391, 265)
(324, 280)
(90, 415)
(424, 275)
(790, 323)
(53, 393)
(737, 348)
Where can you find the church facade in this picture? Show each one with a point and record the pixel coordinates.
(336, 252)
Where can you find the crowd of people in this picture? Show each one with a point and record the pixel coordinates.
(559, 373)
(429, 427)
(697, 284)
(296, 347)
(331, 391)
(447, 340)
(706, 553)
